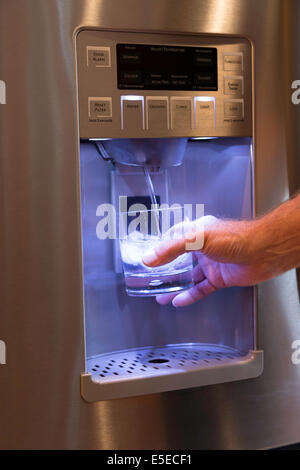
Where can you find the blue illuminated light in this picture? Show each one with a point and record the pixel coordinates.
(132, 98)
(102, 138)
(203, 138)
(204, 98)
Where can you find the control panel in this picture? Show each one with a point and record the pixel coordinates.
(145, 85)
(153, 67)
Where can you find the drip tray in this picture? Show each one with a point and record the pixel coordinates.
(172, 367)
(148, 362)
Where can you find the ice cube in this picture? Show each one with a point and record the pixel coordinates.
(131, 252)
(136, 235)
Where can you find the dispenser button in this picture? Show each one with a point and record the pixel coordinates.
(157, 112)
(234, 86)
(181, 112)
(98, 56)
(204, 112)
(233, 62)
(234, 109)
(132, 109)
(100, 107)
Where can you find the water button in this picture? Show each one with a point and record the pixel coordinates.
(181, 112)
(157, 108)
(98, 56)
(132, 109)
(234, 109)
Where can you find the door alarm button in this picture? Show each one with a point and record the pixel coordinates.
(98, 56)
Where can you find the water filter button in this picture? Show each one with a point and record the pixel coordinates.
(100, 107)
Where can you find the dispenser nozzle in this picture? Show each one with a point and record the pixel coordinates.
(153, 153)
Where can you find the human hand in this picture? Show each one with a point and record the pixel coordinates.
(229, 257)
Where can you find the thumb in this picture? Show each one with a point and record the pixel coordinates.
(168, 250)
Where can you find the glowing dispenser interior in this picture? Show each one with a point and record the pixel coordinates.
(182, 108)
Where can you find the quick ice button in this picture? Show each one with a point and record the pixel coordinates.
(233, 86)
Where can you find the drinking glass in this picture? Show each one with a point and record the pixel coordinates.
(142, 231)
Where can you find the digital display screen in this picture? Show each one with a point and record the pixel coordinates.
(153, 67)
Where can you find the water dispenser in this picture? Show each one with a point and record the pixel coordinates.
(164, 121)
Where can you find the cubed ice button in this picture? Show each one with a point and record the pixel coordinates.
(181, 113)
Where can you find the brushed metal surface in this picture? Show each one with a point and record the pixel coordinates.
(40, 285)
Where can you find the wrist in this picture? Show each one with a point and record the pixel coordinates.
(257, 239)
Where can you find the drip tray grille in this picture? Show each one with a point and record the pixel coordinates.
(149, 370)
(158, 361)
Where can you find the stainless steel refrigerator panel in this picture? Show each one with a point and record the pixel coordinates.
(41, 317)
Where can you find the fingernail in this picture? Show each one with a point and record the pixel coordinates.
(175, 302)
(178, 301)
(150, 257)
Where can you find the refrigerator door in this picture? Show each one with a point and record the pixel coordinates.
(41, 319)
